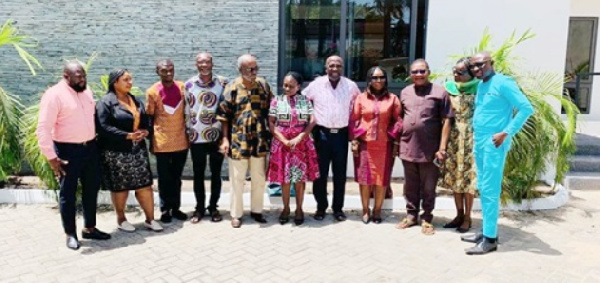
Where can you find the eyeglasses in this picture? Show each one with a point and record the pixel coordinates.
(418, 71)
(478, 65)
(459, 72)
(338, 66)
(250, 69)
(378, 78)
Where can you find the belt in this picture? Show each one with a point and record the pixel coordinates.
(334, 130)
(77, 144)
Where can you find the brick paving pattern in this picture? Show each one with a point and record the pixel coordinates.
(560, 245)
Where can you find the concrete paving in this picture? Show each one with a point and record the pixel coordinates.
(559, 245)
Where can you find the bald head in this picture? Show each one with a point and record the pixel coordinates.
(74, 74)
(482, 65)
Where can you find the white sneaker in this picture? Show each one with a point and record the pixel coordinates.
(126, 227)
(153, 226)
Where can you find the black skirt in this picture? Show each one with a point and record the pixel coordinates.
(123, 171)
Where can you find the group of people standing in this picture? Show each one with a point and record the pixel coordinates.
(433, 129)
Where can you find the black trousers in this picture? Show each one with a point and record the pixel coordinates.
(169, 166)
(332, 148)
(83, 166)
(215, 159)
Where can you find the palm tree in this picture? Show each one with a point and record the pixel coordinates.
(545, 139)
(10, 105)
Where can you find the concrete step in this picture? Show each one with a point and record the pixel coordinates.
(587, 145)
(583, 181)
(585, 163)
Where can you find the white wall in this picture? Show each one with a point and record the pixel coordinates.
(590, 8)
(456, 26)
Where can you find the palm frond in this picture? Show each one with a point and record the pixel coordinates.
(10, 153)
(10, 35)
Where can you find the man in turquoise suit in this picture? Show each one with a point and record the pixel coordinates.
(495, 123)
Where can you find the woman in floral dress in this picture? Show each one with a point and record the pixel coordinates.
(293, 155)
(457, 173)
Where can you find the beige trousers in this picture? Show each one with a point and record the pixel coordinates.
(237, 175)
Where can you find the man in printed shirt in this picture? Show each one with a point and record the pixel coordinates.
(66, 135)
(165, 104)
(332, 96)
(244, 113)
(494, 126)
(202, 93)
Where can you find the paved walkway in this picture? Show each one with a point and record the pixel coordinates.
(543, 246)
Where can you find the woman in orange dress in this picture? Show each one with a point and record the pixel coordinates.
(374, 127)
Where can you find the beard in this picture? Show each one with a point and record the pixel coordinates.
(78, 88)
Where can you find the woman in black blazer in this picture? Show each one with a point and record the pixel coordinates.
(122, 125)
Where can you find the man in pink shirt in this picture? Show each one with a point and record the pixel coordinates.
(66, 136)
(332, 96)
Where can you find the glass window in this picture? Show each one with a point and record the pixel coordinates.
(364, 32)
(581, 47)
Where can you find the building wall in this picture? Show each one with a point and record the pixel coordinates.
(456, 26)
(590, 8)
(135, 34)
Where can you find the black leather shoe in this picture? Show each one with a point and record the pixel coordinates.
(95, 234)
(258, 218)
(319, 215)
(72, 242)
(177, 214)
(485, 246)
(474, 238)
(166, 217)
(339, 216)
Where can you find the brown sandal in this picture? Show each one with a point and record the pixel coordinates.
(406, 223)
(427, 228)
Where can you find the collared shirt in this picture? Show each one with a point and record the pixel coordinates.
(65, 116)
(169, 133)
(201, 109)
(423, 111)
(246, 110)
(331, 106)
(494, 104)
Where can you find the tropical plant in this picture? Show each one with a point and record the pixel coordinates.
(546, 139)
(10, 105)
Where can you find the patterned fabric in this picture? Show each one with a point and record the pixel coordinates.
(300, 163)
(458, 171)
(201, 108)
(246, 110)
(123, 171)
(332, 106)
(375, 123)
(169, 123)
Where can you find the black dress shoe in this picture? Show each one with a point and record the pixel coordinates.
(166, 217)
(319, 215)
(339, 216)
(72, 242)
(177, 214)
(95, 234)
(483, 247)
(474, 238)
(258, 218)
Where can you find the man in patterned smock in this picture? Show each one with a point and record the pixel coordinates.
(244, 113)
(202, 93)
(164, 102)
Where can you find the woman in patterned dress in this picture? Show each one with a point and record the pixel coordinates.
(122, 126)
(293, 155)
(374, 128)
(457, 173)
